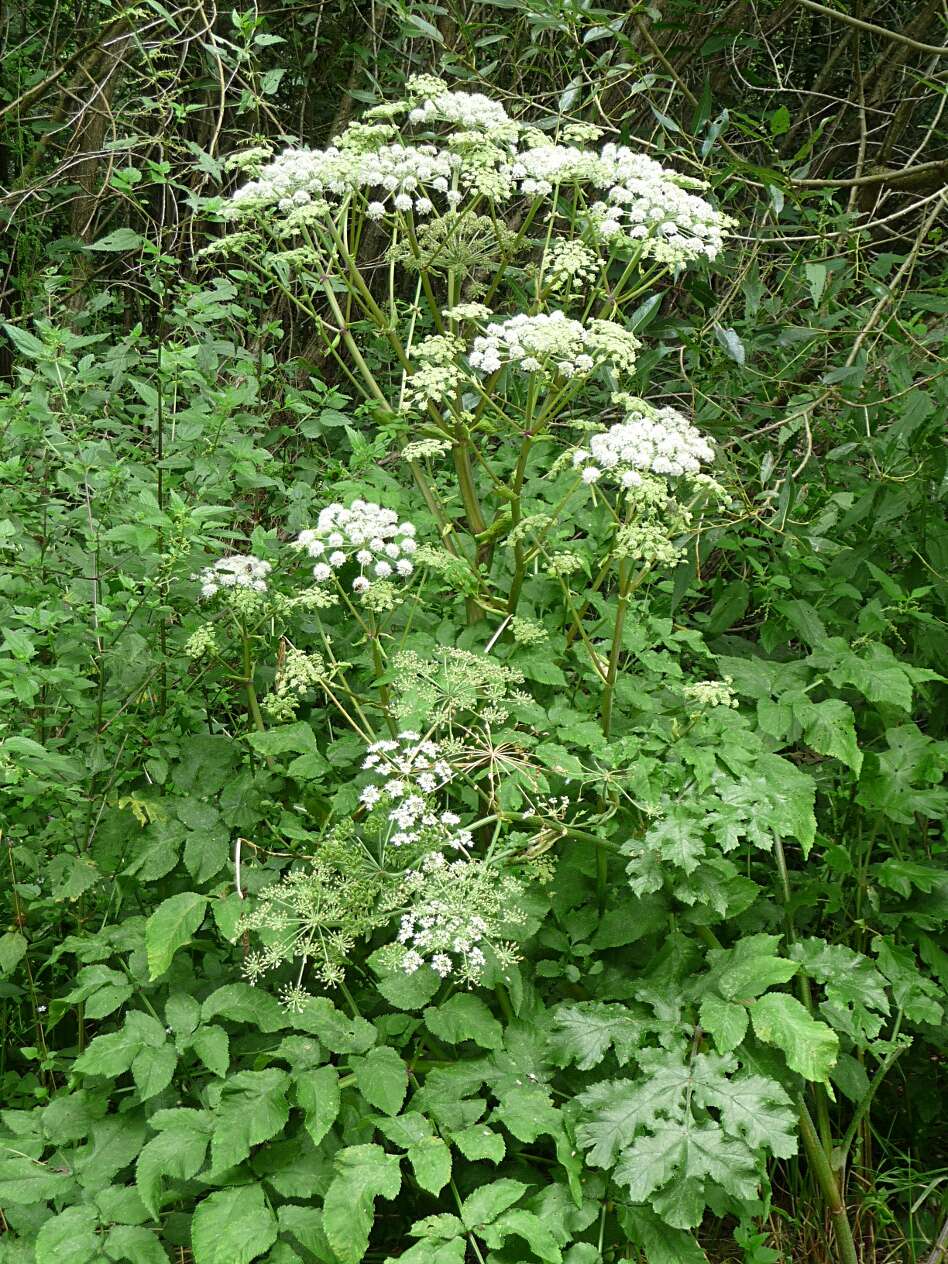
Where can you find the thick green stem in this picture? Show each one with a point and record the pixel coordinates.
(822, 1170)
(612, 671)
(253, 706)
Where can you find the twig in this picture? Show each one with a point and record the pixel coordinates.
(876, 30)
(893, 175)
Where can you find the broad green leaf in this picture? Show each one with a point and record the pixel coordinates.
(24, 1180)
(747, 978)
(245, 1004)
(382, 1078)
(232, 1226)
(404, 991)
(170, 927)
(306, 1225)
(527, 1225)
(134, 1244)
(363, 1173)
(486, 1204)
(480, 1142)
(337, 1032)
(464, 1017)
(297, 738)
(678, 837)
(810, 1047)
(724, 1021)
(114, 1143)
(431, 1161)
(619, 1108)
(829, 727)
(583, 1033)
(120, 239)
(12, 951)
(442, 1225)
(153, 1068)
(662, 1243)
(114, 1053)
(317, 1092)
(69, 1238)
(212, 1046)
(253, 1108)
(27, 344)
(453, 1251)
(849, 977)
(816, 274)
(528, 1112)
(751, 1107)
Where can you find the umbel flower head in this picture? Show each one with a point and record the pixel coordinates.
(237, 571)
(363, 533)
(649, 441)
(457, 912)
(438, 148)
(406, 773)
(553, 345)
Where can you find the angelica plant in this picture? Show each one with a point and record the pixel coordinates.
(525, 746)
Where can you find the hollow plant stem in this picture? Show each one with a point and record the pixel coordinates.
(820, 1164)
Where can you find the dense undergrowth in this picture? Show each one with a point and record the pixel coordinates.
(473, 622)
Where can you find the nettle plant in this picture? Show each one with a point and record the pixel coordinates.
(510, 817)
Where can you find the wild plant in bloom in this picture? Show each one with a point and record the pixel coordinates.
(711, 693)
(570, 264)
(363, 533)
(313, 916)
(297, 675)
(470, 147)
(658, 209)
(238, 571)
(407, 772)
(649, 441)
(458, 912)
(553, 345)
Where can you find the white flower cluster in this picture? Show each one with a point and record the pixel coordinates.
(471, 111)
(650, 440)
(570, 263)
(711, 693)
(540, 170)
(404, 173)
(553, 344)
(407, 772)
(648, 204)
(457, 911)
(483, 152)
(440, 930)
(363, 533)
(438, 374)
(235, 572)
